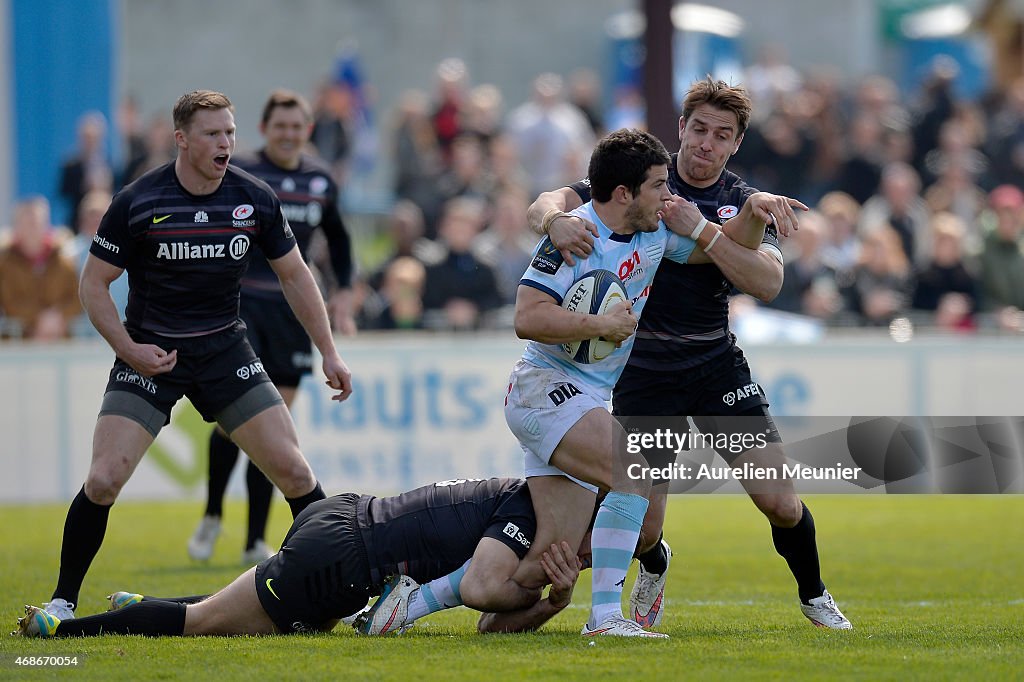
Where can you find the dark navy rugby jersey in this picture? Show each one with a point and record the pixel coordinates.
(186, 254)
(431, 531)
(309, 199)
(686, 321)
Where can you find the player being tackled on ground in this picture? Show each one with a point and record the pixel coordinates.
(345, 549)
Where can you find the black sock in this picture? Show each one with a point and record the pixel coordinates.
(194, 599)
(655, 560)
(223, 455)
(797, 546)
(84, 528)
(152, 618)
(299, 503)
(261, 490)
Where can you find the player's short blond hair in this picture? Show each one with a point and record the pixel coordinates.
(191, 102)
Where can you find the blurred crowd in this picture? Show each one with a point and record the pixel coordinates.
(917, 208)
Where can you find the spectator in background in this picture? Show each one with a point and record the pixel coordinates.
(956, 167)
(808, 284)
(467, 175)
(840, 247)
(405, 228)
(507, 244)
(157, 150)
(506, 171)
(1005, 143)
(90, 213)
(130, 130)
(861, 171)
(553, 138)
(331, 136)
(416, 153)
(944, 287)
(1002, 260)
(38, 283)
(898, 204)
(398, 304)
(937, 106)
(460, 289)
(89, 168)
(482, 116)
(880, 285)
(771, 79)
(447, 115)
(585, 95)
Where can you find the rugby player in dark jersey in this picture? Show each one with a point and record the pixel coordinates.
(184, 233)
(309, 199)
(685, 361)
(340, 552)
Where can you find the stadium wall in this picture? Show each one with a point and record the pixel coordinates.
(430, 407)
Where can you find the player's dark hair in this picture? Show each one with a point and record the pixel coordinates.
(623, 158)
(286, 99)
(191, 102)
(720, 95)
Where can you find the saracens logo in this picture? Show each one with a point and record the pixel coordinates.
(242, 216)
(726, 212)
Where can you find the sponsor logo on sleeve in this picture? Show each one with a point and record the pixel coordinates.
(103, 243)
(512, 530)
(548, 259)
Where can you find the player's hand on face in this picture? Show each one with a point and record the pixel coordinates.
(621, 321)
(778, 210)
(680, 215)
(338, 377)
(562, 567)
(571, 235)
(149, 360)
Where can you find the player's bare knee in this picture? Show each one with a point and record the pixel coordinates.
(292, 475)
(783, 511)
(103, 488)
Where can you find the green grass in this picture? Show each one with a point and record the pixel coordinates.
(933, 585)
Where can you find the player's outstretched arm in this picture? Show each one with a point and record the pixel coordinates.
(539, 318)
(304, 298)
(571, 235)
(94, 292)
(562, 568)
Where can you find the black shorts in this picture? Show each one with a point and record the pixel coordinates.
(214, 371)
(720, 397)
(278, 338)
(321, 572)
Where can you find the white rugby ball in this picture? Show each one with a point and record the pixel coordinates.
(594, 293)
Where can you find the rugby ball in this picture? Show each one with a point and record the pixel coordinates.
(594, 293)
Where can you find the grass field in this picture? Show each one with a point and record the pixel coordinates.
(933, 585)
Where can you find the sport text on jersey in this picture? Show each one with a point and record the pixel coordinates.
(236, 249)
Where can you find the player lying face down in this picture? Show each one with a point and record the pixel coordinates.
(341, 551)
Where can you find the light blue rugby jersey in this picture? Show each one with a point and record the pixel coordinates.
(634, 258)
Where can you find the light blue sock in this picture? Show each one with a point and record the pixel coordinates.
(616, 531)
(437, 595)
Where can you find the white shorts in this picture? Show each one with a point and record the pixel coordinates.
(541, 406)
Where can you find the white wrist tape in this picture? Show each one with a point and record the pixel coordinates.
(700, 228)
(707, 249)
